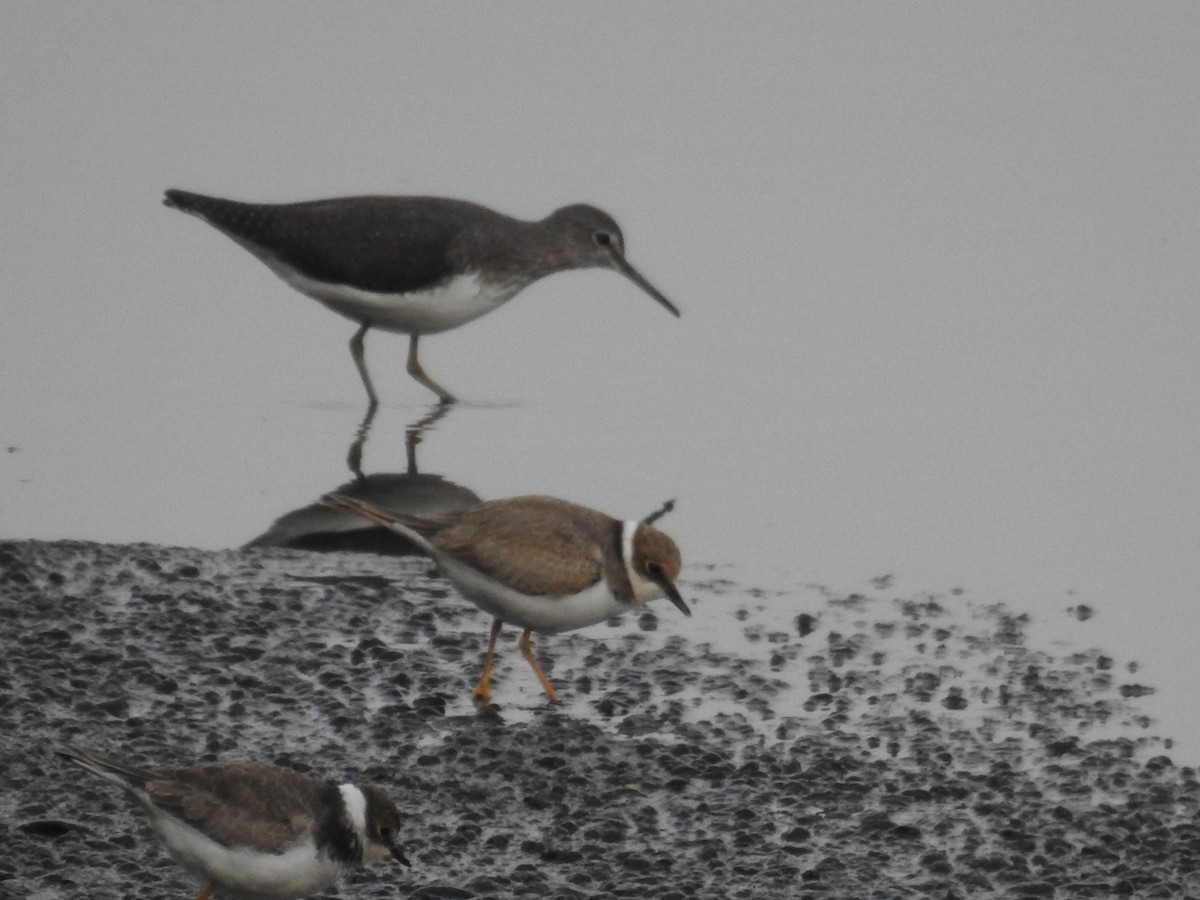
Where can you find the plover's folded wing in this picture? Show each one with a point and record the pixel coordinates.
(540, 552)
(240, 804)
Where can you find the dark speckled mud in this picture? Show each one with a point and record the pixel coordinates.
(862, 748)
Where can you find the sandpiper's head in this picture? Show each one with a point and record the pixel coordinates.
(652, 560)
(594, 240)
(379, 826)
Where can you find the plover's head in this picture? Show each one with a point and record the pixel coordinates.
(376, 820)
(652, 561)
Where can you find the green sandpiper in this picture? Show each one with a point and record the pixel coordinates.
(413, 265)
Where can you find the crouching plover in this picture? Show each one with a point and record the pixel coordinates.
(541, 563)
(253, 829)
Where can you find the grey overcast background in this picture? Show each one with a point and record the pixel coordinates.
(937, 262)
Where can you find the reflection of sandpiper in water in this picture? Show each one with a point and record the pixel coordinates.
(413, 265)
(320, 527)
(541, 563)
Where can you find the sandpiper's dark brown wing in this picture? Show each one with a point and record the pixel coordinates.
(389, 245)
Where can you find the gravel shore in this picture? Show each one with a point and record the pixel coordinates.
(852, 748)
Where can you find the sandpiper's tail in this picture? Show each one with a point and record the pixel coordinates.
(210, 208)
(253, 225)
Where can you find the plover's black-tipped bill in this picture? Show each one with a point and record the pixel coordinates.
(673, 595)
(622, 265)
(398, 855)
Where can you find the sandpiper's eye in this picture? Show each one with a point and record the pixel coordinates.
(385, 834)
(654, 570)
(603, 238)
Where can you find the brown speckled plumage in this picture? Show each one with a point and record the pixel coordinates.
(538, 545)
(540, 562)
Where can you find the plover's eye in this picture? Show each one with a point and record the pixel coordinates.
(603, 238)
(654, 570)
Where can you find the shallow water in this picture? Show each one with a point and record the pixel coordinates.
(754, 504)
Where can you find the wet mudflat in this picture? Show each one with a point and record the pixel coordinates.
(816, 746)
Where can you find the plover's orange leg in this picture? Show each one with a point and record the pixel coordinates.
(483, 690)
(207, 893)
(526, 646)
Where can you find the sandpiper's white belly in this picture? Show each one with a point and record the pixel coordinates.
(296, 872)
(591, 605)
(459, 300)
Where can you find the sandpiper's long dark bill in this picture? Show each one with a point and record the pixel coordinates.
(253, 829)
(541, 563)
(414, 265)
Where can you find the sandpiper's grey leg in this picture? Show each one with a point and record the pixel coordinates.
(356, 350)
(667, 506)
(415, 370)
